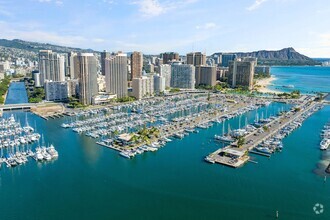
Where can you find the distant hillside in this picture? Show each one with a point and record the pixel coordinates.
(35, 47)
(286, 56)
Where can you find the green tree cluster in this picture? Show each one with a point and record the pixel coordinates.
(126, 99)
(37, 95)
(4, 85)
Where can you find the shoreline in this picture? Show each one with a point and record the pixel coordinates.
(264, 83)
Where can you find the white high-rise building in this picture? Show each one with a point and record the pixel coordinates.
(116, 74)
(36, 78)
(183, 76)
(165, 71)
(51, 66)
(85, 67)
(143, 87)
(56, 91)
(159, 84)
(71, 56)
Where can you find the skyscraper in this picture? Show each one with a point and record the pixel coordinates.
(116, 74)
(226, 58)
(196, 59)
(169, 56)
(104, 55)
(241, 73)
(183, 76)
(190, 58)
(165, 71)
(136, 65)
(206, 75)
(71, 56)
(51, 66)
(85, 67)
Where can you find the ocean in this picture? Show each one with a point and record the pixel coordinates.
(88, 181)
(307, 79)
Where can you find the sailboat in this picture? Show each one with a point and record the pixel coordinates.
(27, 128)
(224, 138)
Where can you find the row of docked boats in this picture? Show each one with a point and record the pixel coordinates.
(325, 135)
(232, 135)
(274, 143)
(41, 154)
(16, 144)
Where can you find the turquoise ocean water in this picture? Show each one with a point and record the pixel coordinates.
(306, 79)
(91, 182)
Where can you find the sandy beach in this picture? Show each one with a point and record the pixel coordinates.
(264, 83)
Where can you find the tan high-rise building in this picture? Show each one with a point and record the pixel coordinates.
(241, 72)
(116, 75)
(85, 67)
(169, 56)
(136, 65)
(196, 59)
(206, 75)
(190, 58)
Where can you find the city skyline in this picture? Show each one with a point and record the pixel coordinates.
(153, 26)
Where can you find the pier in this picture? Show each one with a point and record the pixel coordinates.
(235, 156)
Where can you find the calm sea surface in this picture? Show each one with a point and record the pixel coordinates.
(306, 79)
(91, 182)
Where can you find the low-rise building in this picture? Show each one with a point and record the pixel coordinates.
(56, 91)
(262, 70)
(143, 87)
(159, 84)
(36, 78)
(103, 98)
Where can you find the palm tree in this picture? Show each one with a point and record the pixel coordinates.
(146, 139)
(134, 138)
(240, 142)
(115, 132)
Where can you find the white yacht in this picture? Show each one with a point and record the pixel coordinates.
(324, 144)
(51, 150)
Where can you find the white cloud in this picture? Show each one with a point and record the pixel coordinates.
(56, 2)
(152, 8)
(15, 31)
(207, 26)
(256, 5)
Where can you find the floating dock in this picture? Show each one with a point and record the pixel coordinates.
(235, 157)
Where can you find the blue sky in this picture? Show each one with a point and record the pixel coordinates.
(155, 26)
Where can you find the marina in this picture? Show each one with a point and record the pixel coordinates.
(325, 135)
(112, 174)
(134, 129)
(16, 144)
(176, 176)
(268, 138)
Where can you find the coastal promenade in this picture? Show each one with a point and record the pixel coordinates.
(234, 156)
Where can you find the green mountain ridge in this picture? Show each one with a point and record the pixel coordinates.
(35, 46)
(286, 56)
